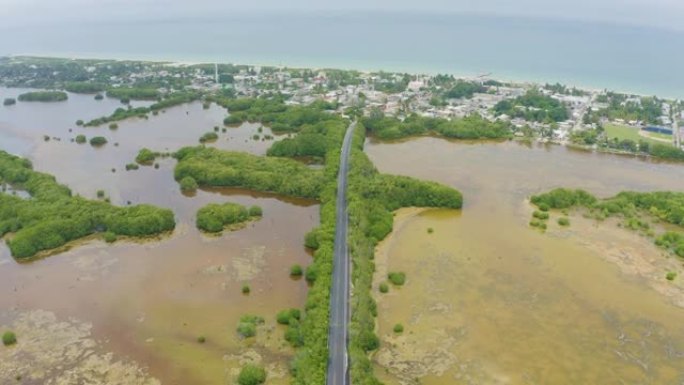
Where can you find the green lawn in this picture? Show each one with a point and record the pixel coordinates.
(626, 132)
(659, 136)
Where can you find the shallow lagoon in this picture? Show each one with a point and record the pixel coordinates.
(488, 300)
(131, 313)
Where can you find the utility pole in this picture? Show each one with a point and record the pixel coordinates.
(675, 124)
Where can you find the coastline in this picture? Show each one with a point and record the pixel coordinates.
(517, 79)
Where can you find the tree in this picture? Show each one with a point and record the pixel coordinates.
(9, 338)
(226, 79)
(628, 145)
(145, 156)
(252, 375)
(188, 184)
(97, 141)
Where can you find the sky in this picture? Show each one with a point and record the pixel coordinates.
(658, 13)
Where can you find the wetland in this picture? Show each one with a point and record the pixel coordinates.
(485, 298)
(133, 312)
(488, 299)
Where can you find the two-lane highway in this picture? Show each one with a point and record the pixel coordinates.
(338, 359)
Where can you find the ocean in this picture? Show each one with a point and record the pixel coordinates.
(625, 58)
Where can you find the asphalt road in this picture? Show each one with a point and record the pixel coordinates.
(338, 359)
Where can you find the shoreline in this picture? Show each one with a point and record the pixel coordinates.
(466, 75)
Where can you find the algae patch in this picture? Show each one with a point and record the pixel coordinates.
(55, 352)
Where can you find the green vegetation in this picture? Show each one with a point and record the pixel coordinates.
(119, 114)
(214, 217)
(564, 221)
(113, 126)
(9, 102)
(313, 140)
(251, 375)
(372, 198)
(470, 127)
(58, 73)
(233, 120)
(398, 328)
(171, 100)
(629, 108)
(296, 271)
(212, 167)
(133, 93)
(9, 338)
(564, 199)
(671, 275)
(53, 217)
(430, 230)
(384, 287)
(397, 278)
(175, 99)
(109, 237)
(587, 137)
(620, 134)
(84, 87)
(540, 224)
(80, 139)
(246, 289)
(391, 83)
(208, 137)
(285, 317)
(99, 97)
(564, 90)
(255, 211)
(100, 194)
(534, 107)
(132, 166)
(464, 89)
(201, 339)
(146, 156)
(627, 139)
(541, 215)
(98, 141)
(43, 96)
(188, 184)
(247, 325)
(275, 113)
(632, 206)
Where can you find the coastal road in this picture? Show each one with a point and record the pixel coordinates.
(338, 359)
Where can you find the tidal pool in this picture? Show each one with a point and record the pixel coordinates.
(132, 313)
(488, 300)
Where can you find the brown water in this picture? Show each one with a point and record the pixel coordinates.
(147, 303)
(490, 301)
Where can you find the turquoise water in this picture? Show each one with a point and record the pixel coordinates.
(624, 58)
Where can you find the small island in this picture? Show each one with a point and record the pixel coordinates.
(43, 96)
(214, 218)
